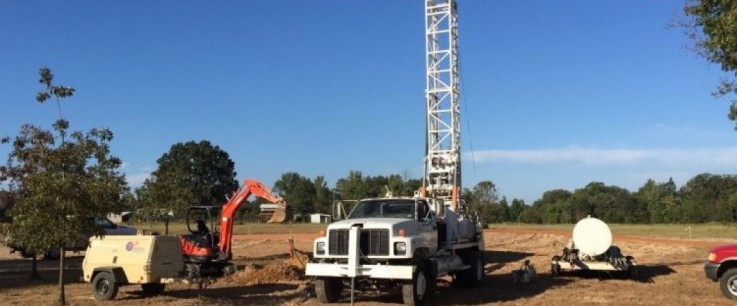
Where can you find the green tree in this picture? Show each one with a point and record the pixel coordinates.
(62, 178)
(353, 186)
(483, 196)
(656, 198)
(551, 206)
(7, 201)
(323, 196)
(713, 28)
(298, 191)
(499, 211)
(191, 173)
(706, 198)
(516, 209)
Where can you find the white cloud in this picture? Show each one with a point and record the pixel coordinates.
(135, 180)
(676, 158)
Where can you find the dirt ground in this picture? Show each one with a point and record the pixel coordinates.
(670, 273)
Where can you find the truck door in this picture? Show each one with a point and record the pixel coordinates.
(428, 227)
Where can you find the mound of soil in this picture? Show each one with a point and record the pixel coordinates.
(272, 273)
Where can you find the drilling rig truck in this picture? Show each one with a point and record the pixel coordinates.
(408, 242)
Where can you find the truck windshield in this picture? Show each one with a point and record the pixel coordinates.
(384, 209)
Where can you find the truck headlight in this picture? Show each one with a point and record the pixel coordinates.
(712, 257)
(400, 248)
(320, 248)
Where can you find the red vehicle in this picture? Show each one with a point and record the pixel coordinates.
(208, 253)
(722, 267)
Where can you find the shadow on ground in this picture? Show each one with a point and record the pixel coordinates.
(260, 294)
(16, 273)
(499, 259)
(644, 274)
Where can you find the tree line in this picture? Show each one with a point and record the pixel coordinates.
(177, 184)
(704, 198)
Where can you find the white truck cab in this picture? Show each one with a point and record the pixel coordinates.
(396, 242)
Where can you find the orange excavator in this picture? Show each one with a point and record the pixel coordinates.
(208, 253)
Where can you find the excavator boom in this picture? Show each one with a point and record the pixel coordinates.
(249, 187)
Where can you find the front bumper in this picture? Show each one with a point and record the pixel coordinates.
(711, 270)
(370, 271)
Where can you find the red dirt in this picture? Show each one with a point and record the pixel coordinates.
(671, 274)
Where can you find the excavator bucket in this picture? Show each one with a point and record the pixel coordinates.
(280, 215)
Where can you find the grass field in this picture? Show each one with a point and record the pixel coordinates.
(246, 228)
(682, 231)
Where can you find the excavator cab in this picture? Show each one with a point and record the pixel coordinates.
(207, 250)
(201, 244)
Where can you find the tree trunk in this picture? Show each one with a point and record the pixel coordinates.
(62, 299)
(166, 227)
(34, 266)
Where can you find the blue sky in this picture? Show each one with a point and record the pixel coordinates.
(555, 94)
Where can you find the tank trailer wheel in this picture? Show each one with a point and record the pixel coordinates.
(104, 287)
(555, 270)
(728, 284)
(421, 290)
(555, 267)
(152, 289)
(632, 267)
(328, 289)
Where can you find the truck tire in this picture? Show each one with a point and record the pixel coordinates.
(421, 290)
(104, 287)
(476, 273)
(728, 284)
(328, 289)
(471, 277)
(152, 289)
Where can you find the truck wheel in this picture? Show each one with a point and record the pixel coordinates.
(328, 289)
(472, 276)
(728, 284)
(104, 287)
(420, 290)
(476, 273)
(152, 289)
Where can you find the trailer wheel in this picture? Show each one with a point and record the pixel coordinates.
(421, 290)
(152, 289)
(728, 284)
(104, 287)
(328, 289)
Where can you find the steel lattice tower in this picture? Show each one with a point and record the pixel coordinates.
(443, 142)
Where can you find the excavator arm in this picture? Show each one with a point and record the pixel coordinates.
(249, 187)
